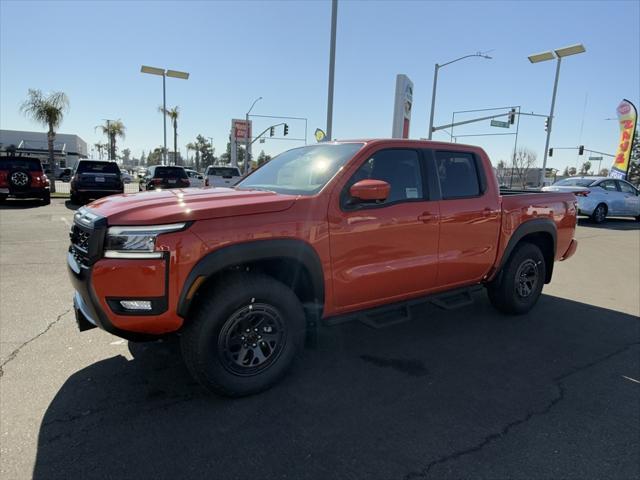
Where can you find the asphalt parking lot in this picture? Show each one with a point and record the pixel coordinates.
(462, 394)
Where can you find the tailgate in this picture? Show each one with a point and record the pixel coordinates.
(100, 181)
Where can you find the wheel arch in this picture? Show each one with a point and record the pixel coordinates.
(293, 262)
(543, 233)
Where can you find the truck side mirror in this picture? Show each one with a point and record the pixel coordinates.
(370, 190)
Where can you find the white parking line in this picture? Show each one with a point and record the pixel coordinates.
(631, 379)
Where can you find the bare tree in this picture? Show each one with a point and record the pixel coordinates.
(604, 172)
(572, 171)
(501, 170)
(523, 161)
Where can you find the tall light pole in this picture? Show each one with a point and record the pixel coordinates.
(543, 57)
(435, 84)
(246, 136)
(332, 67)
(164, 73)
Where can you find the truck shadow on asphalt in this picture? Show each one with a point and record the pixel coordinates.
(611, 224)
(20, 204)
(394, 403)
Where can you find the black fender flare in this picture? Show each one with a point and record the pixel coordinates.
(536, 225)
(247, 252)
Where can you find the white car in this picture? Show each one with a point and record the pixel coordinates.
(599, 197)
(216, 176)
(196, 179)
(126, 176)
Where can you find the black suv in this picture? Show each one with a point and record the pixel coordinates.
(23, 177)
(95, 179)
(161, 176)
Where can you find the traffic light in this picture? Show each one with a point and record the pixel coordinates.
(581, 150)
(551, 152)
(286, 129)
(512, 116)
(272, 131)
(546, 124)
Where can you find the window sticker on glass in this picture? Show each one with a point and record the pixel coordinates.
(411, 192)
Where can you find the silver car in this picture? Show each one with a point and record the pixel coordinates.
(599, 197)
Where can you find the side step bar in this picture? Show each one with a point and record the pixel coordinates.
(393, 314)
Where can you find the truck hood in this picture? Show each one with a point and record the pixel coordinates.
(181, 205)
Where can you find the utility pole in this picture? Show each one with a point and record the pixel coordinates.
(332, 68)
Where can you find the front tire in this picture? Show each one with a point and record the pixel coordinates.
(599, 214)
(519, 285)
(244, 335)
(46, 198)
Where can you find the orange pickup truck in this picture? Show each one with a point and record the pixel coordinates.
(319, 235)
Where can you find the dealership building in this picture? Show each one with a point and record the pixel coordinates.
(67, 148)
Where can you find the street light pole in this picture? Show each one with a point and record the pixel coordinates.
(164, 116)
(435, 83)
(543, 57)
(550, 123)
(164, 73)
(332, 68)
(246, 137)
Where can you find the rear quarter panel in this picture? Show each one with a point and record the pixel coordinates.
(520, 208)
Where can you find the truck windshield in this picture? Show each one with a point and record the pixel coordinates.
(301, 171)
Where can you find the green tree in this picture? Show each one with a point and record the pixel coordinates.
(48, 110)
(572, 171)
(112, 129)
(143, 159)
(126, 156)
(565, 173)
(586, 166)
(155, 156)
(263, 158)
(173, 114)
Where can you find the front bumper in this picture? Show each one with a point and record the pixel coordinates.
(88, 310)
(573, 246)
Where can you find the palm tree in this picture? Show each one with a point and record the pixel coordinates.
(49, 111)
(99, 147)
(190, 146)
(112, 129)
(173, 114)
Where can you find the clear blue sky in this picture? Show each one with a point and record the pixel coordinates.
(238, 51)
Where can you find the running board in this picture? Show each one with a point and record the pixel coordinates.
(393, 314)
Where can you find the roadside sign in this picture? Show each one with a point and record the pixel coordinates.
(240, 129)
(595, 158)
(498, 123)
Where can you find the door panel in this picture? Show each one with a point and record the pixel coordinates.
(469, 220)
(388, 251)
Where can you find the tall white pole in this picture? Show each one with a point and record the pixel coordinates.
(433, 99)
(164, 116)
(550, 123)
(332, 67)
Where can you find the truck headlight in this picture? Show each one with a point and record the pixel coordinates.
(136, 242)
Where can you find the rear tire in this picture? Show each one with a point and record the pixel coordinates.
(244, 335)
(518, 286)
(599, 214)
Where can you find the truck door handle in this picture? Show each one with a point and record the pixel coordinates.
(486, 212)
(427, 217)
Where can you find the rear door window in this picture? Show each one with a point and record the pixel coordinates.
(12, 163)
(609, 186)
(458, 174)
(98, 167)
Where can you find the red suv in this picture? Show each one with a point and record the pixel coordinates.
(23, 177)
